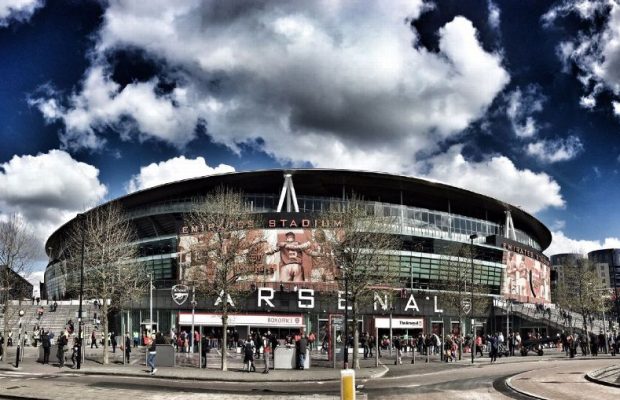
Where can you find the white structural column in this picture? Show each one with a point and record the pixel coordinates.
(288, 192)
(509, 231)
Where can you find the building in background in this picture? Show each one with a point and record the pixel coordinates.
(13, 285)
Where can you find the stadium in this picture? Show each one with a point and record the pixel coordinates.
(429, 218)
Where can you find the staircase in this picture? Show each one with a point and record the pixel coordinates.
(50, 321)
(552, 316)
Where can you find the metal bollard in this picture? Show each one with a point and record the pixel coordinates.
(347, 384)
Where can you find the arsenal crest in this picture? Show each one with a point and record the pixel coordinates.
(180, 293)
(466, 304)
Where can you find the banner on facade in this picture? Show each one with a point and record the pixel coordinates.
(400, 323)
(254, 320)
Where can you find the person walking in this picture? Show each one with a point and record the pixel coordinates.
(479, 345)
(266, 353)
(364, 341)
(152, 354)
(127, 347)
(398, 347)
(494, 345)
(113, 342)
(248, 355)
(62, 343)
(301, 350)
(46, 344)
(205, 348)
(93, 339)
(75, 353)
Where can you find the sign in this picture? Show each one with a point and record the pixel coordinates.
(466, 306)
(254, 320)
(180, 293)
(400, 323)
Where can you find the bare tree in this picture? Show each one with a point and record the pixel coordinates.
(456, 284)
(106, 239)
(225, 252)
(17, 252)
(582, 291)
(360, 247)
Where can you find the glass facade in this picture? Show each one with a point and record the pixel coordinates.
(407, 220)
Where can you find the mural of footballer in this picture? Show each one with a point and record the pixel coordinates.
(291, 258)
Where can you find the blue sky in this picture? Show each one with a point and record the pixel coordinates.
(519, 100)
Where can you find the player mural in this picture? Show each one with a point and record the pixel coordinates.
(526, 279)
(287, 255)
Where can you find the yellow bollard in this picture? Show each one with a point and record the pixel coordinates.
(347, 384)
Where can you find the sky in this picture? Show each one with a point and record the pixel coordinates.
(518, 100)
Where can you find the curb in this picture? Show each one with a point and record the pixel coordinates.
(510, 386)
(593, 376)
(259, 378)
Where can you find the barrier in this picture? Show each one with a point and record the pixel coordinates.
(347, 384)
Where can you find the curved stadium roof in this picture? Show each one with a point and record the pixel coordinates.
(334, 183)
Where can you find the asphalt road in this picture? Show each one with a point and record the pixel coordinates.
(551, 378)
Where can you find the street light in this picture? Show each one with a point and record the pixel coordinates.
(473, 325)
(79, 360)
(18, 355)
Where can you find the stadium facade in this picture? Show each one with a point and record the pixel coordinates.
(429, 218)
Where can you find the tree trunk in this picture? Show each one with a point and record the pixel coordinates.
(585, 328)
(104, 322)
(224, 341)
(356, 336)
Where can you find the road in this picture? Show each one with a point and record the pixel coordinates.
(553, 378)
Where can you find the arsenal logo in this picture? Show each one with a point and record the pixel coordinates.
(180, 293)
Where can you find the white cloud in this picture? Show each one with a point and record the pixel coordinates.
(521, 107)
(497, 177)
(47, 200)
(17, 10)
(550, 151)
(616, 108)
(173, 170)
(560, 243)
(595, 51)
(494, 14)
(245, 68)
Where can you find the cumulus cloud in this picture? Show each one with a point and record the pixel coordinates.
(173, 170)
(17, 10)
(560, 243)
(47, 201)
(555, 150)
(521, 107)
(243, 69)
(497, 177)
(595, 50)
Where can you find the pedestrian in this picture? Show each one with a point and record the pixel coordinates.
(93, 339)
(266, 353)
(301, 350)
(75, 353)
(1, 346)
(494, 345)
(127, 347)
(398, 347)
(248, 355)
(113, 342)
(479, 345)
(62, 344)
(152, 353)
(206, 348)
(46, 344)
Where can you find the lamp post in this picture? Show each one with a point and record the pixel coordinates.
(18, 355)
(193, 313)
(473, 324)
(150, 303)
(81, 217)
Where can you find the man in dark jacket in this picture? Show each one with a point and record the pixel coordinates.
(302, 345)
(205, 348)
(60, 354)
(127, 347)
(46, 344)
